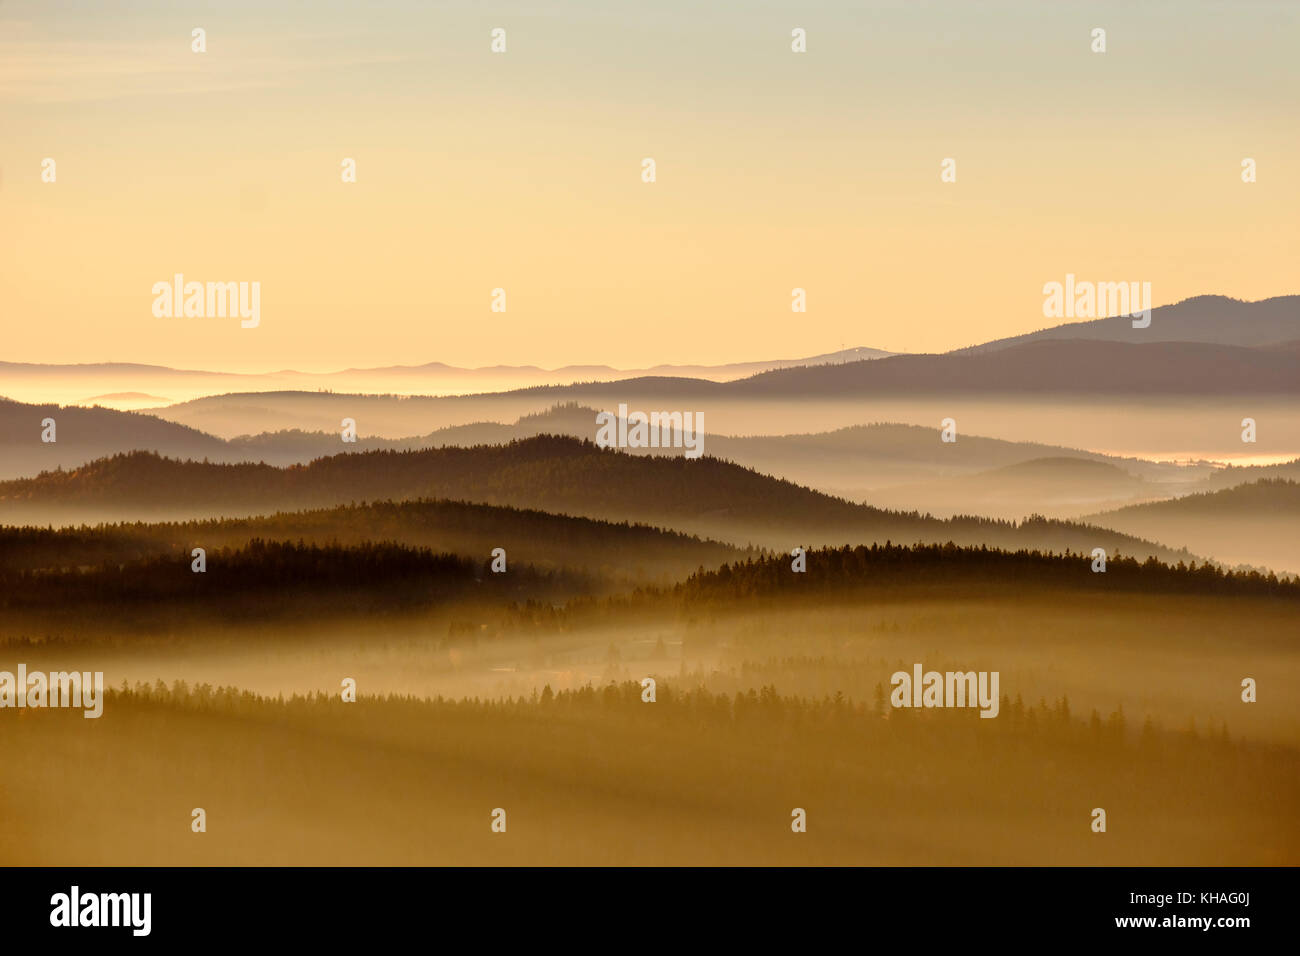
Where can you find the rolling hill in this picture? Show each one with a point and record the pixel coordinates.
(848, 462)
(704, 496)
(618, 552)
(1056, 486)
(1254, 524)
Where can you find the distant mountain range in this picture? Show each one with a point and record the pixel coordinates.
(1078, 357)
(131, 386)
(1105, 380)
(1041, 366)
(1213, 319)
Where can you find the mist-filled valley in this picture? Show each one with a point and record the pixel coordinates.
(945, 607)
(772, 693)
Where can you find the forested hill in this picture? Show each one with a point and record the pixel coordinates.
(890, 567)
(703, 496)
(271, 579)
(312, 584)
(616, 551)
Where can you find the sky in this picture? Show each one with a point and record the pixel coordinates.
(522, 171)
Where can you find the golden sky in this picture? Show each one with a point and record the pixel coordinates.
(522, 171)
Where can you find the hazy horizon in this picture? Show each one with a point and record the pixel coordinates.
(819, 171)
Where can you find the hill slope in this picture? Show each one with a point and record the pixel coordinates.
(1049, 366)
(1060, 486)
(1215, 319)
(83, 434)
(1256, 523)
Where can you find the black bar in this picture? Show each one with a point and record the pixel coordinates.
(469, 907)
